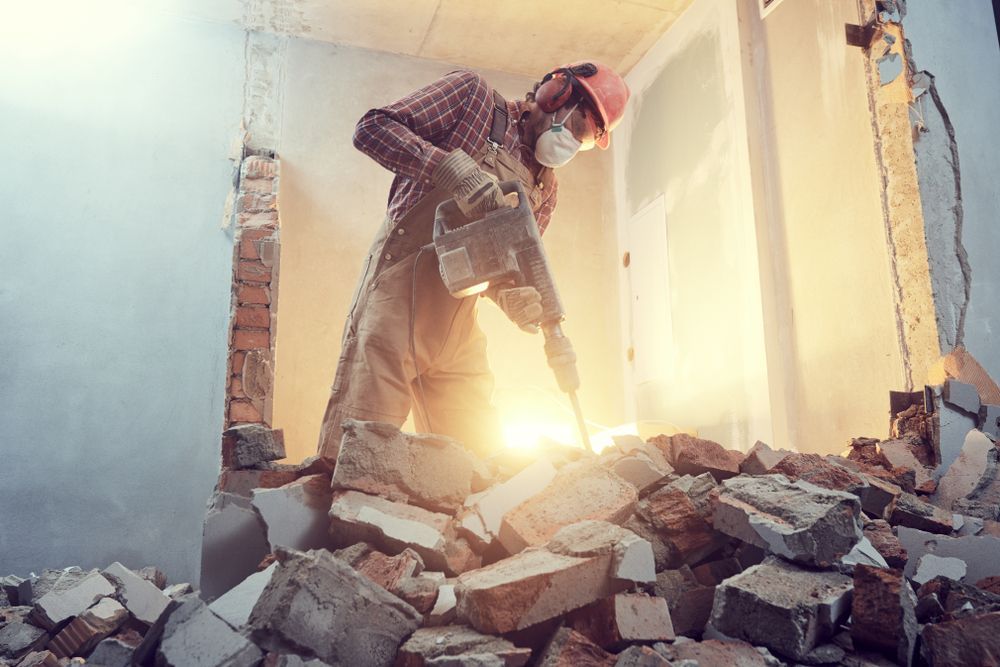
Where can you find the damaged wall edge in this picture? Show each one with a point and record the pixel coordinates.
(909, 260)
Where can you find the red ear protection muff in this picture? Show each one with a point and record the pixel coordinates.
(558, 86)
(554, 92)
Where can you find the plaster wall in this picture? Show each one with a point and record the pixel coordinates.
(115, 289)
(833, 344)
(332, 200)
(685, 212)
(954, 47)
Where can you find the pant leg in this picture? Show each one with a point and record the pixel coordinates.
(375, 368)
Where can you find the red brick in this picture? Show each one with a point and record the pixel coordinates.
(243, 411)
(236, 362)
(252, 294)
(248, 249)
(236, 387)
(253, 318)
(255, 202)
(253, 272)
(251, 340)
(259, 167)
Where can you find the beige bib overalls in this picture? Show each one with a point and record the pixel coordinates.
(444, 376)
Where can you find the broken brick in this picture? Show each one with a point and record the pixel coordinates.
(882, 612)
(83, 633)
(694, 456)
(814, 469)
(972, 640)
(578, 567)
(880, 534)
(678, 526)
(579, 492)
(569, 648)
(715, 652)
(910, 511)
(58, 606)
(393, 527)
(617, 621)
(430, 471)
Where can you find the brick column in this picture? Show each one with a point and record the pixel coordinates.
(250, 387)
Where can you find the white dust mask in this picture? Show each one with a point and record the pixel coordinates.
(556, 146)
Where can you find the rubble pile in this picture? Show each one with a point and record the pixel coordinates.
(410, 551)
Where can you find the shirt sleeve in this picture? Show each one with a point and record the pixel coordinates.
(404, 136)
(544, 213)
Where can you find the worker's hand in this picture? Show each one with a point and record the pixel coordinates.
(523, 305)
(475, 191)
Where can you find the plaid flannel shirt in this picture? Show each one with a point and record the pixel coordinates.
(411, 136)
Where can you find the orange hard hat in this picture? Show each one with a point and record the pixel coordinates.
(599, 84)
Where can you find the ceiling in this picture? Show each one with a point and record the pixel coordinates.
(526, 37)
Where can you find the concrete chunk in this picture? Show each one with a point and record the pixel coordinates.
(761, 458)
(458, 645)
(249, 444)
(964, 475)
(579, 492)
(950, 426)
(798, 521)
(393, 527)
(296, 514)
(58, 606)
(961, 395)
(640, 471)
(243, 482)
(617, 621)
(195, 637)
(112, 652)
(432, 471)
(20, 637)
(979, 552)
(882, 613)
(538, 584)
(316, 601)
(234, 541)
(143, 600)
(443, 611)
(781, 606)
(989, 420)
(235, 605)
(930, 567)
(689, 601)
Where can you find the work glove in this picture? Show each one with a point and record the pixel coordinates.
(523, 305)
(475, 191)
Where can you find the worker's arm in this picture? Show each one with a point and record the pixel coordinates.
(544, 212)
(402, 136)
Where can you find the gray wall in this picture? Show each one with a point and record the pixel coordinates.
(958, 162)
(114, 300)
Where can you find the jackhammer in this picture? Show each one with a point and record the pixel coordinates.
(505, 247)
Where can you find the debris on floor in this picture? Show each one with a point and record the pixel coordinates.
(409, 551)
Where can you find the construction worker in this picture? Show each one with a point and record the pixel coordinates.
(407, 342)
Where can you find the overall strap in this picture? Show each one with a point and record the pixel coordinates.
(499, 128)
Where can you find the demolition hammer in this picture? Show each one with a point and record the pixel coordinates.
(505, 248)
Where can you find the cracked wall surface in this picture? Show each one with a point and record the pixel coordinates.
(954, 52)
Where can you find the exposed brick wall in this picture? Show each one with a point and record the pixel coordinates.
(250, 387)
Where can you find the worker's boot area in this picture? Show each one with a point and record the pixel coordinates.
(676, 551)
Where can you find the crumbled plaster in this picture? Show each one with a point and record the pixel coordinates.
(264, 56)
(282, 17)
(940, 180)
(890, 99)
